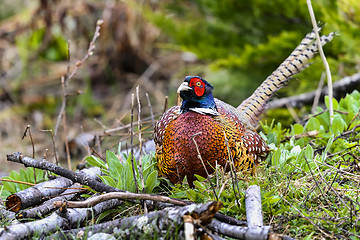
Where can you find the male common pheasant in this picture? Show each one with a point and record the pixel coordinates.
(205, 132)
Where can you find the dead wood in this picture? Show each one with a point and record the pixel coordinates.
(158, 224)
(6, 216)
(229, 220)
(253, 207)
(238, 232)
(48, 206)
(120, 195)
(57, 220)
(40, 192)
(82, 178)
(341, 87)
(79, 177)
(36, 194)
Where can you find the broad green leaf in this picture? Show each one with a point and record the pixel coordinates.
(152, 181)
(312, 124)
(335, 103)
(108, 180)
(297, 129)
(96, 162)
(200, 186)
(338, 124)
(309, 152)
(200, 178)
(115, 165)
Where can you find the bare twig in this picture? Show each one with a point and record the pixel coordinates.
(233, 171)
(140, 166)
(166, 103)
(307, 218)
(323, 58)
(19, 182)
(31, 139)
(33, 146)
(64, 125)
(90, 52)
(132, 142)
(90, 202)
(189, 228)
(207, 173)
(53, 143)
(318, 93)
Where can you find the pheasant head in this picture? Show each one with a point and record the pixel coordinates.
(197, 96)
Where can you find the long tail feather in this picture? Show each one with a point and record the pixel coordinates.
(252, 107)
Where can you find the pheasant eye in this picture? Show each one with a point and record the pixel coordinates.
(198, 84)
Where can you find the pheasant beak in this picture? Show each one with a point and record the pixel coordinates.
(184, 87)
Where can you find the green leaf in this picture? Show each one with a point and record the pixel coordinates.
(115, 165)
(108, 180)
(200, 186)
(335, 103)
(96, 162)
(9, 186)
(152, 181)
(297, 129)
(200, 178)
(329, 143)
(338, 124)
(309, 152)
(312, 124)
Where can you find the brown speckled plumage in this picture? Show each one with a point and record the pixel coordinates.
(176, 151)
(220, 131)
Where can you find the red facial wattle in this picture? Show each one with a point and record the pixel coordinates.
(199, 86)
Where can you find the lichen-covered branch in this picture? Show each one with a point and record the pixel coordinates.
(157, 224)
(56, 221)
(79, 177)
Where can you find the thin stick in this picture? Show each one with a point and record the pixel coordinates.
(132, 142)
(33, 147)
(233, 171)
(166, 103)
(120, 195)
(150, 108)
(318, 93)
(323, 58)
(140, 147)
(14, 181)
(90, 52)
(65, 128)
(207, 173)
(53, 143)
(307, 218)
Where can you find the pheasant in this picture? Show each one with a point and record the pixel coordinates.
(205, 132)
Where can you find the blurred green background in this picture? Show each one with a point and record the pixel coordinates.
(233, 44)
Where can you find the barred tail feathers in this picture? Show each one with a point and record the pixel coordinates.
(253, 106)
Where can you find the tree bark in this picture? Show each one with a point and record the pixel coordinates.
(54, 222)
(165, 224)
(341, 87)
(36, 194)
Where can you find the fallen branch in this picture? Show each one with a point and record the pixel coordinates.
(253, 207)
(40, 192)
(238, 232)
(79, 177)
(48, 206)
(56, 221)
(119, 195)
(35, 195)
(341, 87)
(158, 224)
